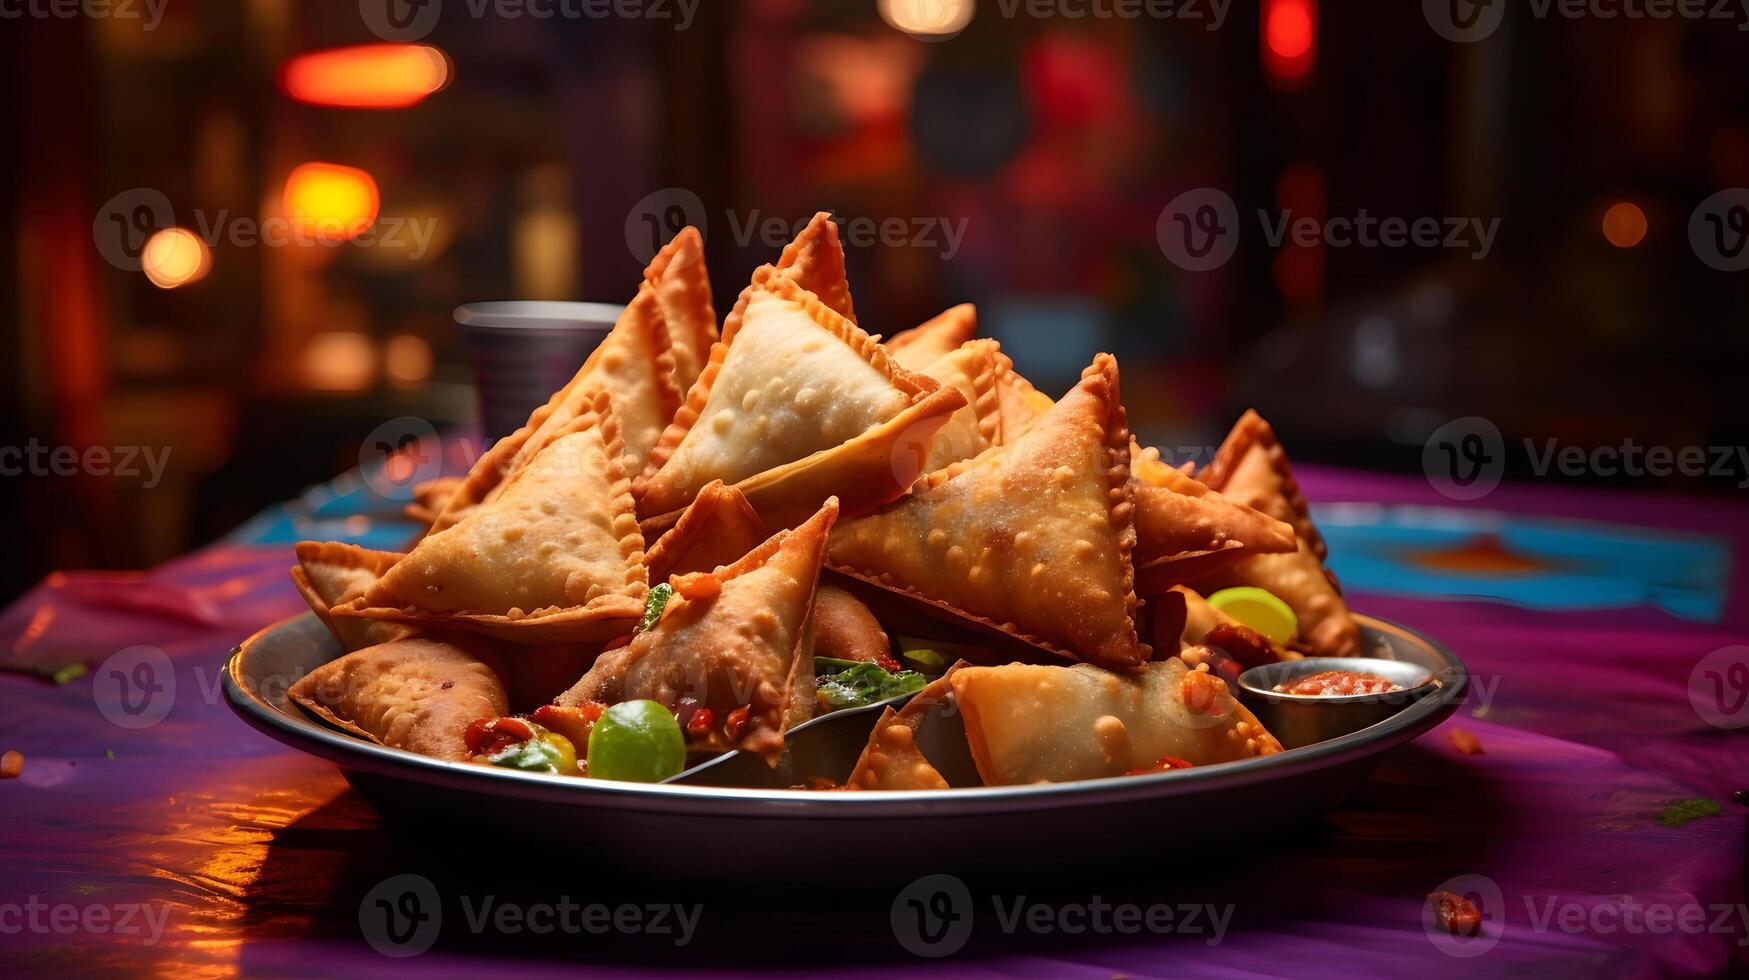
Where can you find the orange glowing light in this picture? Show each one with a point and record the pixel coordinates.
(1290, 40)
(1624, 224)
(368, 76)
(330, 203)
(339, 360)
(175, 257)
(927, 18)
(407, 360)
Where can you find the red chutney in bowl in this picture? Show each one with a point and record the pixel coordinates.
(1338, 683)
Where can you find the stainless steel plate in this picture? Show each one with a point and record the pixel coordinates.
(707, 832)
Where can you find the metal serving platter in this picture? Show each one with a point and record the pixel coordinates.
(714, 832)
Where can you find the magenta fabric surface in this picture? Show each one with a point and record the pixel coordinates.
(205, 848)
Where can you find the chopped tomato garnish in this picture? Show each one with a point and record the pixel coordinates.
(1457, 914)
(573, 723)
(486, 736)
(699, 725)
(736, 724)
(887, 663)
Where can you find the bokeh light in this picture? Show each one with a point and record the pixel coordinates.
(339, 360)
(329, 202)
(928, 18)
(1290, 40)
(407, 360)
(1624, 224)
(175, 257)
(368, 76)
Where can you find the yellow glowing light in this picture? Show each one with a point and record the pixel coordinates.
(175, 257)
(928, 17)
(340, 360)
(1624, 224)
(367, 76)
(407, 360)
(329, 202)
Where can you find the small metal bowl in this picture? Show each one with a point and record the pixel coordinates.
(1304, 719)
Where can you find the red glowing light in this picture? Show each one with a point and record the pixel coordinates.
(1290, 40)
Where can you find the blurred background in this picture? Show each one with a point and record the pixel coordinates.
(236, 231)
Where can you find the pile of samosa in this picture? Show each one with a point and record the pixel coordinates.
(804, 486)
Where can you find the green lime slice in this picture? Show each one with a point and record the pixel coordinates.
(1260, 610)
(636, 741)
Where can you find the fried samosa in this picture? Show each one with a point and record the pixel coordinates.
(330, 574)
(1032, 539)
(683, 297)
(892, 760)
(737, 642)
(418, 694)
(1184, 530)
(920, 346)
(556, 557)
(796, 404)
(1029, 724)
(1251, 468)
(718, 527)
(973, 369)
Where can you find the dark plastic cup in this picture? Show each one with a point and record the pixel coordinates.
(524, 350)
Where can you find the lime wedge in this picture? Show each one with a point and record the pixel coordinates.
(1260, 610)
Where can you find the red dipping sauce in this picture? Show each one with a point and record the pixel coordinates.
(1338, 683)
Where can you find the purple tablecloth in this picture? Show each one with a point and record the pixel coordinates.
(196, 844)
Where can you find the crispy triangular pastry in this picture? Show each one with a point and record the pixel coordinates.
(741, 636)
(1033, 538)
(429, 499)
(972, 369)
(330, 574)
(634, 364)
(892, 760)
(815, 262)
(683, 294)
(1101, 723)
(917, 347)
(418, 694)
(1018, 403)
(1184, 530)
(555, 557)
(718, 527)
(1251, 468)
(796, 404)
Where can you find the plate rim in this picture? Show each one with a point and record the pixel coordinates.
(352, 753)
